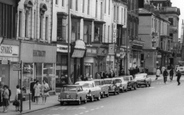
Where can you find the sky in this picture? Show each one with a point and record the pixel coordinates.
(179, 4)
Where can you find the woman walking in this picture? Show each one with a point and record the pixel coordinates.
(178, 76)
(171, 73)
(5, 98)
(158, 72)
(45, 91)
(16, 103)
(37, 88)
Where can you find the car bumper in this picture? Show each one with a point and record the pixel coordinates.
(112, 90)
(65, 100)
(141, 82)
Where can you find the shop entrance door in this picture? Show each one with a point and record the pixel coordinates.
(4, 74)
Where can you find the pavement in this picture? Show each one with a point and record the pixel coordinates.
(51, 102)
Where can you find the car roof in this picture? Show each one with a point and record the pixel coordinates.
(71, 85)
(97, 79)
(108, 79)
(85, 82)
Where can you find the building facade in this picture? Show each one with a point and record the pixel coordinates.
(153, 29)
(91, 22)
(37, 52)
(9, 46)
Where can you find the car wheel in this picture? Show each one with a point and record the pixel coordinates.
(150, 84)
(92, 98)
(135, 87)
(125, 90)
(61, 103)
(80, 101)
(85, 99)
(107, 95)
(99, 97)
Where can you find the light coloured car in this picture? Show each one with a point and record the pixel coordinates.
(113, 86)
(72, 93)
(94, 92)
(143, 79)
(132, 83)
(181, 69)
(103, 86)
(122, 84)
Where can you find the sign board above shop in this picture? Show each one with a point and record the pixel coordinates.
(78, 53)
(9, 50)
(62, 48)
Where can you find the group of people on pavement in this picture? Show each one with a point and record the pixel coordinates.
(168, 72)
(39, 90)
(5, 94)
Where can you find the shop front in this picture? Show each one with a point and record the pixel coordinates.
(39, 62)
(62, 65)
(9, 56)
(90, 63)
(78, 51)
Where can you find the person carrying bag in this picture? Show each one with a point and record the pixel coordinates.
(16, 102)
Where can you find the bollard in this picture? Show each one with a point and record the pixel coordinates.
(29, 101)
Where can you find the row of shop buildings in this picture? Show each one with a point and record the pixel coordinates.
(56, 38)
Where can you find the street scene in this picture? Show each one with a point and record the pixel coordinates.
(91, 57)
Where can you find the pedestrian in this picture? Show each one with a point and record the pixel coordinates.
(45, 91)
(32, 90)
(16, 102)
(158, 72)
(165, 74)
(37, 88)
(178, 76)
(1, 94)
(171, 73)
(5, 98)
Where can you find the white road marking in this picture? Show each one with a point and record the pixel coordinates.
(81, 113)
(86, 111)
(92, 109)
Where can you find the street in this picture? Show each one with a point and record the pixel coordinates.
(159, 99)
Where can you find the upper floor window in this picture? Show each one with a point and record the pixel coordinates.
(61, 28)
(105, 3)
(76, 5)
(117, 13)
(96, 13)
(101, 10)
(87, 32)
(98, 32)
(63, 3)
(109, 8)
(89, 6)
(70, 3)
(56, 2)
(20, 24)
(83, 6)
(171, 21)
(46, 28)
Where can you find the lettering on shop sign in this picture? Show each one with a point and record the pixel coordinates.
(39, 53)
(6, 49)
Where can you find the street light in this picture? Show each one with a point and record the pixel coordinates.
(69, 17)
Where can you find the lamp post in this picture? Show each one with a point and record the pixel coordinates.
(69, 17)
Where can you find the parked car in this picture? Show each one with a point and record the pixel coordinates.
(132, 84)
(72, 93)
(181, 68)
(121, 83)
(143, 79)
(113, 86)
(103, 86)
(94, 92)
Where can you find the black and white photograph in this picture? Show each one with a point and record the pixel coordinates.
(91, 57)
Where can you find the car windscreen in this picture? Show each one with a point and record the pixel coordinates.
(140, 76)
(126, 78)
(69, 88)
(118, 80)
(108, 82)
(97, 83)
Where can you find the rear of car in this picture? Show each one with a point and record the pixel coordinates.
(71, 93)
(181, 69)
(121, 83)
(104, 88)
(113, 88)
(143, 79)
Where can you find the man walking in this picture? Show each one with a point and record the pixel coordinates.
(165, 74)
(171, 73)
(158, 72)
(178, 76)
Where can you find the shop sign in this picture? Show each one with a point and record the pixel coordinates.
(17, 67)
(91, 50)
(77, 53)
(112, 49)
(102, 51)
(9, 50)
(39, 53)
(114, 32)
(62, 48)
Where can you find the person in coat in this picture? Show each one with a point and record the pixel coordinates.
(158, 72)
(178, 76)
(32, 90)
(165, 74)
(37, 88)
(171, 73)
